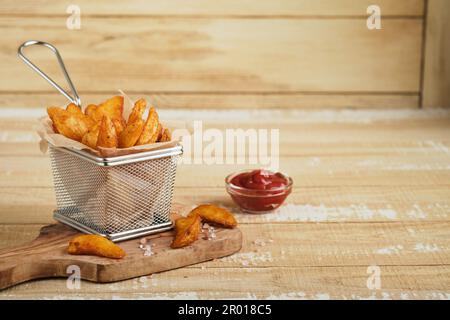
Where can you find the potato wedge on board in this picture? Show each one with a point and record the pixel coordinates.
(91, 137)
(107, 136)
(131, 134)
(111, 108)
(214, 214)
(187, 231)
(137, 111)
(150, 132)
(90, 244)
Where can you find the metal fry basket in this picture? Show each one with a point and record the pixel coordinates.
(120, 197)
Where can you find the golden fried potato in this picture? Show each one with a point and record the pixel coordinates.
(107, 136)
(72, 108)
(187, 231)
(90, 109)
(138, 111)
(131, 134)
(214, 214)
(150, 132)
(160, 132)
(119, 125)
(165, 136)
(72, 125)
(91, 137)
(111, 108)
(90, 244)
(53, 111)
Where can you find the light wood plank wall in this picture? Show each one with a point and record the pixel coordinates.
(223, 53)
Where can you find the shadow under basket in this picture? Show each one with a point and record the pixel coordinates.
(121, 197)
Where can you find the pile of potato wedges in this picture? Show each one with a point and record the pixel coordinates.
(104, 126)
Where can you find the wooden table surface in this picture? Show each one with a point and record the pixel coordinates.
(372, 188)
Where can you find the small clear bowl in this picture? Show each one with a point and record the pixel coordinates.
(257, 201)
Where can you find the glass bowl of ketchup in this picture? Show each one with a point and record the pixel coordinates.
(258, 191)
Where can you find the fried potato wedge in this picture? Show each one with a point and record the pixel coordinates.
(53, 111)
(91, 137)
(137, 111)
(90, 244)
(160, 132)
(119, 124)
(90, 109)
(131, 134)
(72, 108)
(214, 214)
(150, 132)
(72, 125)
(165, 136)
(187, 231)
(112, 108)
(107, 136)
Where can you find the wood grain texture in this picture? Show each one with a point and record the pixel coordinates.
(286, 8)
(371, 187)
(405, 282)
(191, 55)
(322, 62)
(363, 204)
(205, 100)
(279, 245)
(46, 256)
(436, 86)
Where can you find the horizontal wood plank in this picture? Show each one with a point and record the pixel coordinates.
(332, 171)
(221, 7)
(315, 245)
(322, 132)
(307, 101)
(405, 282)
(306, 204)
(218, 55)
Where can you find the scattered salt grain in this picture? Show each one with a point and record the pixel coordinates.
(259, 242)
(148, 250)
(205, 226)
(143, 241)
(211, 233)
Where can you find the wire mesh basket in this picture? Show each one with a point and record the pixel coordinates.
(119, 197)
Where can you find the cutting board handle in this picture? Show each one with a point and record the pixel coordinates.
(29, 261)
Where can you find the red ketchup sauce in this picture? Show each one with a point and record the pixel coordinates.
(259, 190)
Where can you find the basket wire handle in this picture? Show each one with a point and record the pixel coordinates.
(75, 99)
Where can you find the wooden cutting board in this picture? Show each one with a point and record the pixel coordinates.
(46, 257)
